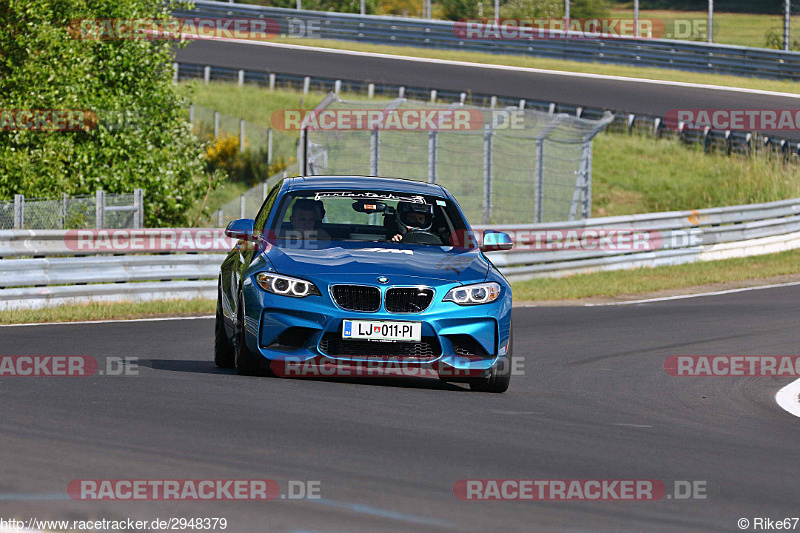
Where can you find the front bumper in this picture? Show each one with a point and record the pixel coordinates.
(457, 338)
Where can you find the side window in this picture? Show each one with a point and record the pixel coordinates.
(263, 214)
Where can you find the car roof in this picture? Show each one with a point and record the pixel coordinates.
(364, 183)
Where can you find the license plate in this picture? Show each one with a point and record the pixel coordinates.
(382, 330)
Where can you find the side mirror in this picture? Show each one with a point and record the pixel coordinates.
(241, 229)
(495, 241)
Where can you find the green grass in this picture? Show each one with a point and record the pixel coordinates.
(648, 280)
(741, 29)
(557, 64)
(109, 311)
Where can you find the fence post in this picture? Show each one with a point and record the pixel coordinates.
(138, 201)
(269, 146)
(301, 152)
(100, 209)
(374, 152)
(241, 206)
(433, 142)
(241, 135)
(207, 75)
(191, 114)
(587, 180)
(487, 175)
(539, 184)
(216, 124)
(63, 211)
(19, 211)
(175, 71)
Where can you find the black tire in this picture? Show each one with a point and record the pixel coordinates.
(499, 378)
(224, 355)
(245, 361)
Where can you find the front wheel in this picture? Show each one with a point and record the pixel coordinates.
(498, 380)
(246, 362)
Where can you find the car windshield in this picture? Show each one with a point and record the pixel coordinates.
(371, 216)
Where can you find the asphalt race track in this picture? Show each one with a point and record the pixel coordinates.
(594, 403)
(635, 97)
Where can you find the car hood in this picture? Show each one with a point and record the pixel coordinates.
(337, 261)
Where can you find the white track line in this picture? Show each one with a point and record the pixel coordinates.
(108, 321)
(499, 67)
(789, 398)
(697, 295)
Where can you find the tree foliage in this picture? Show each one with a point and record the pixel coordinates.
(44, 65)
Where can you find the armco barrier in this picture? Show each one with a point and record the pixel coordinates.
(44, 268)
(662, 53)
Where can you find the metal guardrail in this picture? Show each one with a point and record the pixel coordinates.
(661, 53)
(57, 273)
(740, 142)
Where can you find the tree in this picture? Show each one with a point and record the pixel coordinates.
(45, 64)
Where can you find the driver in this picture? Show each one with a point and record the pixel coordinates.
(306, 219)
(412, 217)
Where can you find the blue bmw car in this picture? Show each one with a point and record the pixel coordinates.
(363, 269)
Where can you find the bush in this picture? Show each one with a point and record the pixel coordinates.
(43, 66)
(460, 9)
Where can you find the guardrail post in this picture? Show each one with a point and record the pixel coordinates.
(271, 82)
(100, 209)
(19, 211)
(433, 144)
(216, 124)
(374, 152)
(207, 75)
(401, 92)
(63, 217)
(269, 146)
(306, 84)
(631, 120)
(552, 108)
(539, 183)
(522, 103)
(492, 102)
(657, 128)
(463, 97)
(241, 77)
(370, 90)
(337, 86)
(241, 206)
(241, 135)
(138, 215)
(487, 175)
(433, 96)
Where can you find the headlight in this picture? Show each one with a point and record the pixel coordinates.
(480, 293)
(286, 286)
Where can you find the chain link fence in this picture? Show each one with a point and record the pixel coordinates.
(513, 166)
(99, 211)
